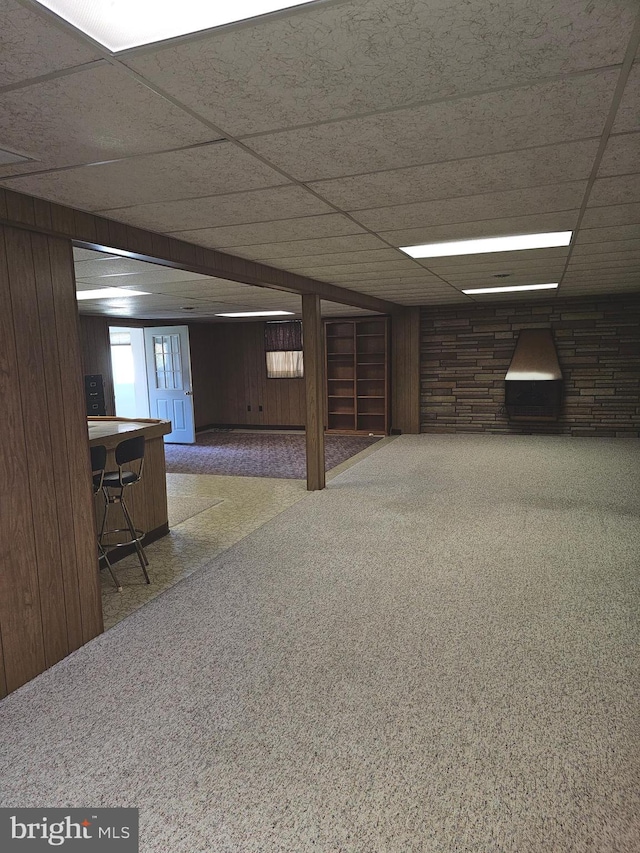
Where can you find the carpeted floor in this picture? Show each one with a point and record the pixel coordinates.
(259, 454)
(437, 654)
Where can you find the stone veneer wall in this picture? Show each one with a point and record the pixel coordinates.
(465, 353)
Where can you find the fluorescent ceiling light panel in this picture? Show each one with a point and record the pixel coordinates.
(485, 245)
(109, 293)
(256, 314)
(121, 24)
(512, 289)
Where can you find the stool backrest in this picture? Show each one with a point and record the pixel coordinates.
(98, 458)
(130, 450)
(98, 461)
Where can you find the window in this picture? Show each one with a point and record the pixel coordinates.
(283, 345)
(285, 365)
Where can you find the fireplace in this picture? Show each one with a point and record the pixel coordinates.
(533, 384)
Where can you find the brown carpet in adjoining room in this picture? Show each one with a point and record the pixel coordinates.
(259, 454)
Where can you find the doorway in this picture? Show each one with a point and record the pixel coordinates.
(128, 364)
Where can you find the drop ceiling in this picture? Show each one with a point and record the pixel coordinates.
(322, 139)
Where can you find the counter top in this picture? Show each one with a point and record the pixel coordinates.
(111, 431)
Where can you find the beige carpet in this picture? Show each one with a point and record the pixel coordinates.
(437, 654)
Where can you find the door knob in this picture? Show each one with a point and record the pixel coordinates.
(188, 393)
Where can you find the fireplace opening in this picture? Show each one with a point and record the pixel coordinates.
(533, 384)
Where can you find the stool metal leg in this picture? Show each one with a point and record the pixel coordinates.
(102, 555)
(104, 515)
(136, 535)
(142, 557)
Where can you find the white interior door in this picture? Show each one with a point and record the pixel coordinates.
(169, 378)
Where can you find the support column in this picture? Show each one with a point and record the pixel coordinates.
(405, 370)
(314, 389)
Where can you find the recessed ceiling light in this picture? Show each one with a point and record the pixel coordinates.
(512, 288)
(548, 240)
(109, 293)
(256, 314)
(121, 24)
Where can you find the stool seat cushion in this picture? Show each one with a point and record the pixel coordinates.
(112, 479)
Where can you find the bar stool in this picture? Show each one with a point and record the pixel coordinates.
(98, 461)
(130, 451)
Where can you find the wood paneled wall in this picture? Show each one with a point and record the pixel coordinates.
(96, 355)
(405, 371)
(229, 374)
(49, 590)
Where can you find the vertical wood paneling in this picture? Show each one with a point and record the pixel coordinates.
(61, 495)
(229, 373)
(314, 390)
(96, 355)
(70, 361)
(31, 378)
(405, 370)
(20, 619)
(3, 677)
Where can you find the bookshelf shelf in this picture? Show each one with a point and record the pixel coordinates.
(357, 370)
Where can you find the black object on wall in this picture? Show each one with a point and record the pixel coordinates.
(533, 386)
(94, 395)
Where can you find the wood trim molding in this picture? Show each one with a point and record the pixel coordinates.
(97, 232)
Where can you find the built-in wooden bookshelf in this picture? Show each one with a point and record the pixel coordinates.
(357, 370)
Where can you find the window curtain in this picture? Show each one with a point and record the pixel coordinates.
(285, 365)
(283, 336)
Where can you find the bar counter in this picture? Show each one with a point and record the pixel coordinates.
(147, 500)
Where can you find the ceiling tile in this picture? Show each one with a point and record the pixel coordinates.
(604, 277)
(617, 190)
(628, 116)
(482, 279)
(605, 261)
(205, 170)
(89, 255)
(319, 246)
(553, 197)
(588, 289)
(140, 280)
(547, 165)
(333, 259)
(330, 309)
(106, 265)
(622, 155)
(233, 209)
(622, 214)
(562, 221)
(392, 266)
(31, 46)
(617, 247)
(525, 257)
(339, 60)
(561, 111)
(390, 277)
(281, 230)
(97, 114)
